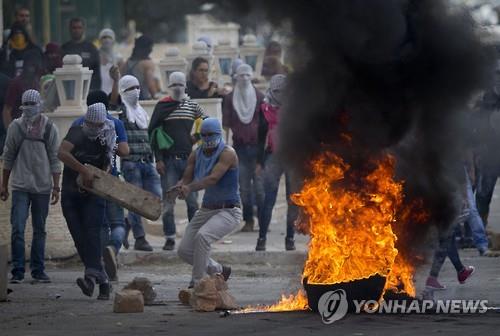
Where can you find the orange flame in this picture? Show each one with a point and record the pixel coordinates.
(350, 227)
(352, 220)
(287, 303)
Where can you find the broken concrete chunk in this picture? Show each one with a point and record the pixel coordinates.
(495, 240)
(128, 301)
(145, 286)
(225, 301)
(210, 294)
(185, 296)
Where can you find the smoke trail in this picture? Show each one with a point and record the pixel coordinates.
(394, 75)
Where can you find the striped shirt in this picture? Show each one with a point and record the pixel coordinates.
(179, 124)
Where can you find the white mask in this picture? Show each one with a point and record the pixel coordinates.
(131, 97)
(178, 92)
(107, 44)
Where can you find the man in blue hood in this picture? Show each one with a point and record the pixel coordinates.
(213, 167)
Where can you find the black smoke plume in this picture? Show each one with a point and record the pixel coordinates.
(394, 75)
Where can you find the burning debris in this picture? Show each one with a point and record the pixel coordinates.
(374, 121)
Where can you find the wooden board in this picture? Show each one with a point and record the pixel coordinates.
(125, 194)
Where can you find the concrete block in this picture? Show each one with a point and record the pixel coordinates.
(125, 194)
(495, 240)
(185, 296)
(3, 272)
(225, 300)
(205, 296)
(145, 286)
(128, 301)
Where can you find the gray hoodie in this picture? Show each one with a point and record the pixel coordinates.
(32, 168)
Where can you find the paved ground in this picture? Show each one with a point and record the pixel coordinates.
(258, 278)
(60, 308)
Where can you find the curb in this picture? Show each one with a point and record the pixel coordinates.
(281, 258)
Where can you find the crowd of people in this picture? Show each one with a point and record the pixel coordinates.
(174, 153)
(178, 151)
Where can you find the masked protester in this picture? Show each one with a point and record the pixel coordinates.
(14, 51)
(174, 116)
(242, 114)
(214, 168)
(109, 58)
(92, 143)
(273, 168)
(114, 224)
(31, 166)
(29, 79)
(137, 167)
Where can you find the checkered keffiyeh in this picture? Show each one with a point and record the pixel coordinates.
(31, 96)
(96, 113)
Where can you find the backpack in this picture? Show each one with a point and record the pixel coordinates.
(45, 139)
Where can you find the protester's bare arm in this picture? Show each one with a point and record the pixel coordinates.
(149, 71)
(7, 116)
(123, 149)
(114, 73)
(227, 160)
(188, 175)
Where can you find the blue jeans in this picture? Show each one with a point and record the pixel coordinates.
(19, 212)
(447, 248)
(272, 173)
(174, 169)
(471, 215)
(142, 175)
(251, 186)
(485, 187)
(84, 214)
(114, 226)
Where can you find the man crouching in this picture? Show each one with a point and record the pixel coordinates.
(213, 167)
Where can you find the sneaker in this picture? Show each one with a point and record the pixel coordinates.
(17, 278)
(226, 272)
(433, 283)
(141, 244)
(289, 244)
(169, 244)
(261, 244)
(41, 278)
(464, 274)
(110, 264)
(86, 285)
(248, 227)
(104, 291)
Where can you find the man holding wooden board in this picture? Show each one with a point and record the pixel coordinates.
(91, 143)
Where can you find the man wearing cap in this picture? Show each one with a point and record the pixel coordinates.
(175, 116)
(213, 167)
(109, 59)
(92, 143)
(30, 157)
